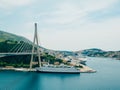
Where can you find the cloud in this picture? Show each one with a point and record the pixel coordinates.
(65, 13)
(94, 5)
(104, 35)
(7, 4)
(71, 12)
(65, 24)
(71, 29)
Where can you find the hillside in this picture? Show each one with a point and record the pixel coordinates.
(8, 36)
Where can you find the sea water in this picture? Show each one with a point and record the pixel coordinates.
(107, 77)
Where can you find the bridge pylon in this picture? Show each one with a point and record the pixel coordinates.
(35, 44)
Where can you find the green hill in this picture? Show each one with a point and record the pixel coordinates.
(8, 41)
(8, 36)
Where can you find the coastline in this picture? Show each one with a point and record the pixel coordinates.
(85, 69)
(18, 69)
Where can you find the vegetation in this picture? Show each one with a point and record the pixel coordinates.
(79, 66)
(8, 36)
(7, 46)
(51, 59)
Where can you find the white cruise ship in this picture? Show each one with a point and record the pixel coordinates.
(58, 69)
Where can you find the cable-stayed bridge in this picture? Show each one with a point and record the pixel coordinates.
(24, 48)
(20, 48)
(14, 54)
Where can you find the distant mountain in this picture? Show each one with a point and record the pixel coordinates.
(94, 52)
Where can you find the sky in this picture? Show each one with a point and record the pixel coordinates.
(64, 24)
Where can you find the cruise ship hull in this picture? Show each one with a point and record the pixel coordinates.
(58, 70)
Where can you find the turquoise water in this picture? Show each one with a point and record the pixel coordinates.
(106, 78)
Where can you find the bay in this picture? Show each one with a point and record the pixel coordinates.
(107, 77)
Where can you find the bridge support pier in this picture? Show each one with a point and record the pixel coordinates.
(35, 44)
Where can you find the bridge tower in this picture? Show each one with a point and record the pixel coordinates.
(35, 44)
